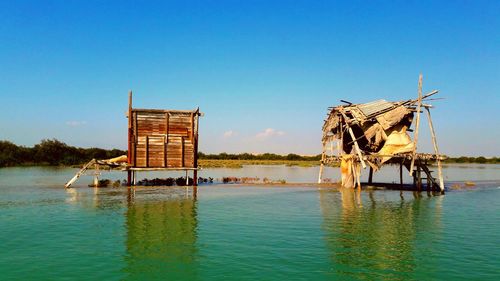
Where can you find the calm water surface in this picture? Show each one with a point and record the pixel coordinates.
(246, 233)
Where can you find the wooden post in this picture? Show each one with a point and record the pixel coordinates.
(358, 176)
(417, 123)
(419, 177)
(401, 174)
(167, 119)
(321, 167)
(165, 143)
(436, 151)
(192, 128)
(96, 175)
(135, 139)
(370, 175)
(429, 184)
(129, 150)
(195, 150)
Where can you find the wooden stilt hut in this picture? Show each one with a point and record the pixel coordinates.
(158, 140)
(376, 133)
(162, 140)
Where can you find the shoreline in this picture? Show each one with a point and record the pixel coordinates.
(237, 164)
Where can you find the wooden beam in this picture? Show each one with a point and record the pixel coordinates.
(356, 146)
(417, 123)
(166, 111)
(160, 169)
(436, 150)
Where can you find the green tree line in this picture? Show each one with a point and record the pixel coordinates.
(479, 160)
(265, 156)
(51, 152)
(55, 152)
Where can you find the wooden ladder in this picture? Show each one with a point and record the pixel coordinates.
(82, 170)
(428, 173)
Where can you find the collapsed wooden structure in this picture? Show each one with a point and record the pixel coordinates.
(158, 140)
(376, 133)
(97, 164)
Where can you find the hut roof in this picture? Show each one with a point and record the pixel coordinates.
(387, 114)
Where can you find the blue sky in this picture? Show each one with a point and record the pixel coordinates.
(263, 72)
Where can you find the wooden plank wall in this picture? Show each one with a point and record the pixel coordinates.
(164, 139)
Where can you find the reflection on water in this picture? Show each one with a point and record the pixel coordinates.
(375, 236)
(243, 232)
(161, 235)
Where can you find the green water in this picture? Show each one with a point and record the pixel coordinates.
(242, 233)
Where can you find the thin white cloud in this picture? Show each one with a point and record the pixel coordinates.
(229, 134)
(75, 123)
(269, 132)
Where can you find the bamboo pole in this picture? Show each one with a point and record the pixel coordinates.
(436, 150)
(417, 123)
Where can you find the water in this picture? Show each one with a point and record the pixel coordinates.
(236, 232)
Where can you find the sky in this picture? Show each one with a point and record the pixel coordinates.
(262, 72)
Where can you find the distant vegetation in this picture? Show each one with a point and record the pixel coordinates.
(51, 152)
(54, 152)
(479, 160)
(225, 160)
(265, 156)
